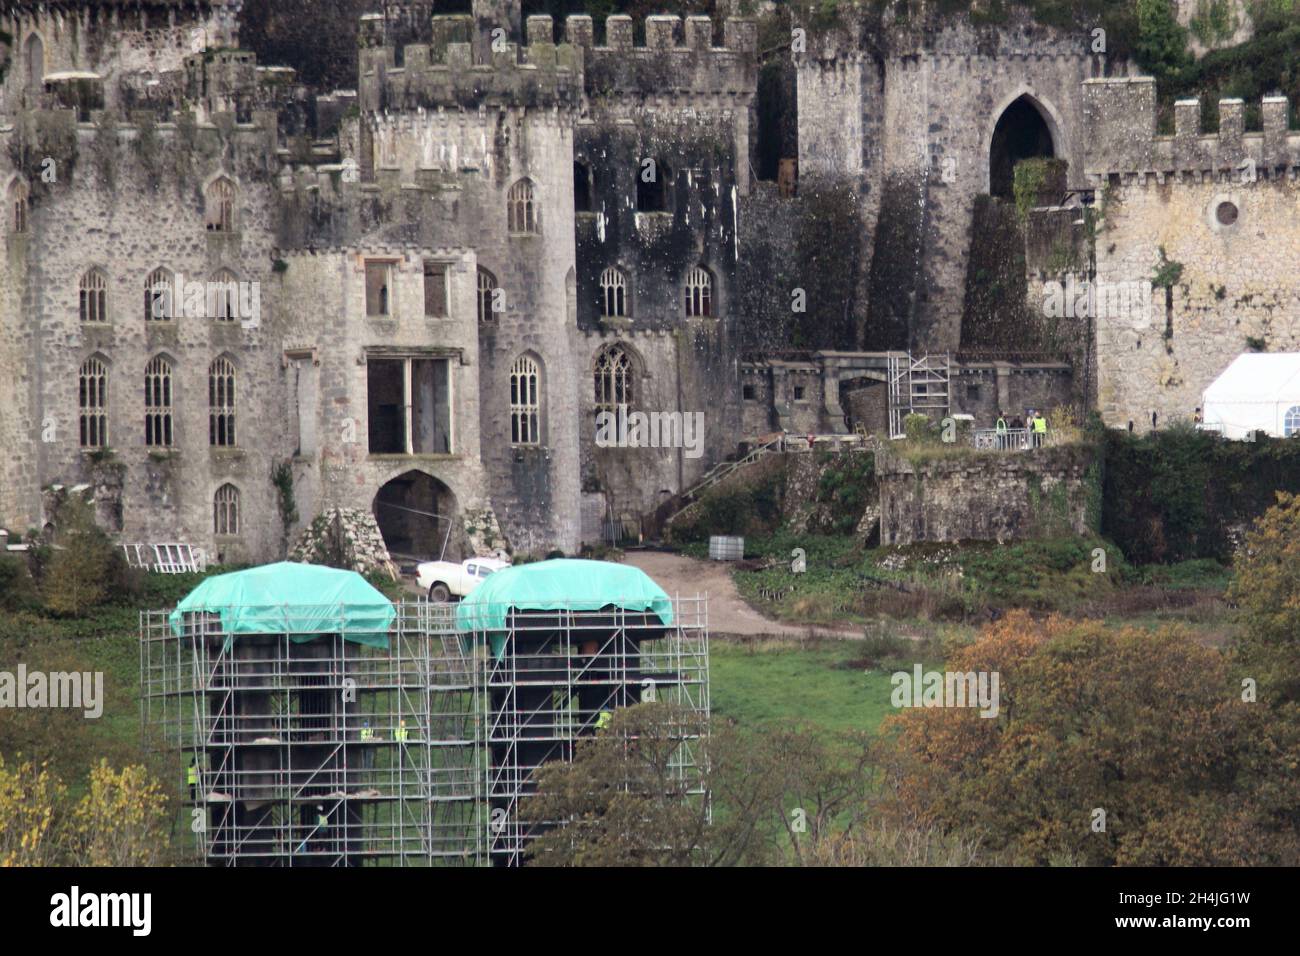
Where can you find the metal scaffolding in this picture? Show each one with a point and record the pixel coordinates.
(318, 751)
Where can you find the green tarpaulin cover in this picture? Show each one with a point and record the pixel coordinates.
(301, 600)
(564, 583)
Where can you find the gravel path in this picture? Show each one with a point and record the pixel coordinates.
(728, 612)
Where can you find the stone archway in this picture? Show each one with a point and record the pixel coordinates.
(1024, 130)
(418, 518)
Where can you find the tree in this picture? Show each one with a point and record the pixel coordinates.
(30, 797)
(1147, 728)
(779, 796)
(623, 801)
(78, 573)
(1161, 46)
(121, 821)
(1267, 588)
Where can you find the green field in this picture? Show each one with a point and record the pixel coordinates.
(826, 684)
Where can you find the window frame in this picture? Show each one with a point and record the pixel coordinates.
(614, 286)
(226, 505)
(92, 299)
(699, 298)
(614, 373)
(159, 403)
(221, 192)
(223, 403)
(523, 209)
(526, 401)
(95, 411)
(388, 290)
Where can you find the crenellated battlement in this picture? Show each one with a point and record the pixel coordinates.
(455, 68)
(1122, 139)
(446, 73)
(678, 55)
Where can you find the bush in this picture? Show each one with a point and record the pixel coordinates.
(1175, 495)
(84, 569)
(729, 510)
(18, 591)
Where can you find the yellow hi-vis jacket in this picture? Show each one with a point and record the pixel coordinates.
(602, 721)
(192, 776)
(1040, 424)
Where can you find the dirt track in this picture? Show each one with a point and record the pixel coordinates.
(728, 613)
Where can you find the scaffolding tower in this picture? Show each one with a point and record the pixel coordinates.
(555, 675)
(315, 750)
(917, 386)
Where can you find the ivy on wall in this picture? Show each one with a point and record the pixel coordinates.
(1176, 494)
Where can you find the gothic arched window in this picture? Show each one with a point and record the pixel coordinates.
(525, 401)
(613, 373)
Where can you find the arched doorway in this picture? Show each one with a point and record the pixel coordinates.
(1022, 132)
(418, 518)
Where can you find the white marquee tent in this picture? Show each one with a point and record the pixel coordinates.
(1259, 391)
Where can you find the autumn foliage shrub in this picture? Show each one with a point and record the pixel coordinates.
(1149, 729)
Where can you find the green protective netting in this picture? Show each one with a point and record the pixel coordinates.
(561, 584)
(301, 600)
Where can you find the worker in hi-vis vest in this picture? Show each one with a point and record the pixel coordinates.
(1000, 428)
(1040, 428)
(192, 776)
(401, 732)
(603, 719)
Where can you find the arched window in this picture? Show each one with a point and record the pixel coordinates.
(522, 207)
(225, 510)
(525, 402)
(221, 403)
(613, 371)
(699, 292)
(92, 402)
(219, 205)
(1291, 421)
(159, 304)
(94, 296)
(487, 284)
(158, 403)
(223, 296)
(19, 198)
(613, 293)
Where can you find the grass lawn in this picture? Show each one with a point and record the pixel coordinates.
(822, 683)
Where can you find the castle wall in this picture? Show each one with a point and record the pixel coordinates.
(330, 339)
(106, 210)
(983, 497)
(916, 124)
(112, 40)
(1173, 193)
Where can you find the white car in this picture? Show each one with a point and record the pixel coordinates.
(447, 579)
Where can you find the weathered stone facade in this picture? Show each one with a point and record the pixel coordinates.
(497, 236)
(427, 328)
(1219, 213)
(984, 497)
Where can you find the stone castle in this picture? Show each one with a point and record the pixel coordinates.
(232, 304)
